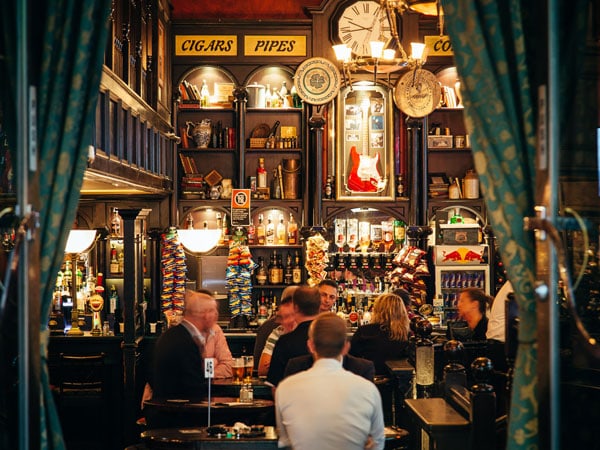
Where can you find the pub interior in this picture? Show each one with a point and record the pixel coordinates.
(245, 147)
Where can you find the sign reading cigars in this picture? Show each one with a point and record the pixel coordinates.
(227, 45)
(206, 45)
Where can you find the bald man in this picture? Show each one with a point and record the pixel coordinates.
(202, 311)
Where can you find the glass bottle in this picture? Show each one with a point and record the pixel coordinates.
(281, 232)
(364, 236)
(113, 300)
(204, 95)
(275, 185)
(288, 273)
(297, 269)
(261, 174)
(376, 236)
(292, 231)
(260, 231)
(261, 272)
(399, 233)
(280, 270)
(352, 234)
(251, 233)
(340, 233)
(270, 231)
(273, 272)
(114, 260)
(115, 223)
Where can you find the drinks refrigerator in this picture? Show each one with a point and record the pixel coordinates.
(458, 267)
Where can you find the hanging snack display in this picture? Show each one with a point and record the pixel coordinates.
(316, 259)
(238, 277)
(174, 271)
(411, 267)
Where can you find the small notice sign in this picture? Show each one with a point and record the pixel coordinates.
(240, 207)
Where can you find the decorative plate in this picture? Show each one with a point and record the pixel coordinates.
(213, 178)
(317, 81)
(417, 93)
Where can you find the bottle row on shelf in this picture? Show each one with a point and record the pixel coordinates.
(352, 234)
(276, 273)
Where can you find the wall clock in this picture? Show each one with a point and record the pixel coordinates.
(356, 23)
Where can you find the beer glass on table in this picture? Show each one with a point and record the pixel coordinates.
(238, 370)
(248, 368)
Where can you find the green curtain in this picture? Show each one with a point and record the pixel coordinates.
(73, 42)
(493, 48)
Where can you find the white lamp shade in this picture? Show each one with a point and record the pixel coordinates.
(342, 52)
(377, 49)
(80, 240)
(417, 49)
(199, 241)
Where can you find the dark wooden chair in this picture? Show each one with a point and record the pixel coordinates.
(82, 400)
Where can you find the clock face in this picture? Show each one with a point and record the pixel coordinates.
(362, 22)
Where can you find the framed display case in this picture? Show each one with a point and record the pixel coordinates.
(365, 155)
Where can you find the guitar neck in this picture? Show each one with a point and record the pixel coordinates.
(365, 136)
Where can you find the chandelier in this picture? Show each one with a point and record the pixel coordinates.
(390, 56)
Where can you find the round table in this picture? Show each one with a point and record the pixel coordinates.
(194, 413)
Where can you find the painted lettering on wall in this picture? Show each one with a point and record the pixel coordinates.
(205, 45)
(275, 45)
(438, 46)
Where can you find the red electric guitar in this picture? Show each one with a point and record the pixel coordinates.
(364, 176)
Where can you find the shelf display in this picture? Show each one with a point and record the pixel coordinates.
(365, 162)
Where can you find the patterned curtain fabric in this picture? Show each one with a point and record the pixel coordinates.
(491, 44)
(73, 41)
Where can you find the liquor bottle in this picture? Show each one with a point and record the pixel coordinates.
(261, 272)
(292, 231)
(268, 96)
(281, 234)
(262, 311)
(121, 261)
(270, 231)
(260, 231)
(115, 223)
(261, 174)
(275, 185)
(114, 260)
(297, 269)
(399, 233)
(204, 95)
(251, 233)
(352, 234)
(225, 231)
(288, 272)
(113, 300)
(273, 272)
(280, 270)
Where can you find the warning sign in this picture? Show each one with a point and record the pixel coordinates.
(240, 207)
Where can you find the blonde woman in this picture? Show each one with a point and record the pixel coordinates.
(386, 336)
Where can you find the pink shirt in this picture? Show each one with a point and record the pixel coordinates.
(215, 346)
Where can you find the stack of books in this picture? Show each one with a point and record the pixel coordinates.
(438, 187)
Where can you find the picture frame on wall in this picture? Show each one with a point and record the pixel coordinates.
(365, 155)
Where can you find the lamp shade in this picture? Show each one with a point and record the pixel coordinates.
(200, 240)
(79, 241)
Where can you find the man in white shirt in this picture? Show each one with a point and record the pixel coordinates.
(327, 407)
(497, 323)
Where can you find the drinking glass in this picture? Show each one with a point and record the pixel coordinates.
(248, 368)
(364, 236)
(387, 227)
(352, 234)
(238, 370)
(340, 233)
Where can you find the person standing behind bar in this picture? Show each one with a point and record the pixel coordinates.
(472, 324)
(307, 301)
(328, 407)
(329, 294)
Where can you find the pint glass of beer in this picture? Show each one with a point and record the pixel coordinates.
(248, 368)
(238, 370)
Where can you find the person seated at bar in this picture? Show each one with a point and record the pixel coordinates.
(329, 294)
(286, 319)
(307, 302)
(208, 333)
(472, 321)
(178, 369)
(328, 407)
(386, 336)
(359, 366)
